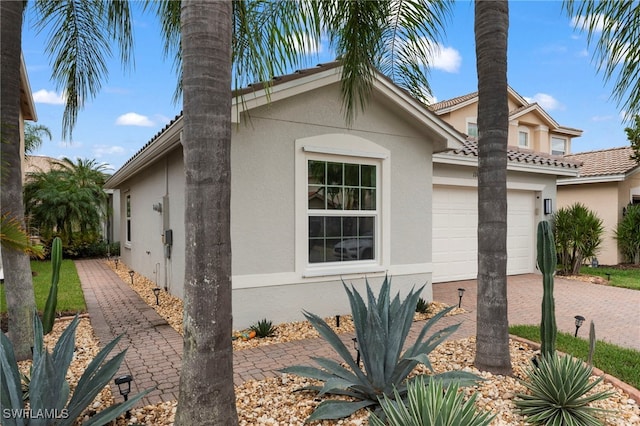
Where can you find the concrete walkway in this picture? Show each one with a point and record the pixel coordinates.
(154, 348)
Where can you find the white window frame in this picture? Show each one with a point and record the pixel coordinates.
(342, 148)
(522, 130)
(559, 138)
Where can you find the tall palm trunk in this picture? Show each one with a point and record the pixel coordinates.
(17, 270)
(492, 341)
(206, 381)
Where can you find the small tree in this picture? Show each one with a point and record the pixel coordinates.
(628, 234)
(578, 233)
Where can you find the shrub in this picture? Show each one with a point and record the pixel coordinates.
(430, 405)
(558, 387)
(48, 389)
(263, 328)
(422, 306)
(578, 234)
(381, 331)
(628, 234)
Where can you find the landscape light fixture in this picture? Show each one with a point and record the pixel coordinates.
(594, 262)
(116, 259)
(579, 321)
(357, 348)
(124, 387)
(337, 320)
(548, 209)
(156, 292)
(131, 273)
(460, 294)
(608, 277)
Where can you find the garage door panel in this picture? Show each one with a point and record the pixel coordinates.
(455, 224)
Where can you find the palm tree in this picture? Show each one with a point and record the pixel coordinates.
(33, 135)
(17, 270)
(492, 335)
(68, 201)
(614, 27)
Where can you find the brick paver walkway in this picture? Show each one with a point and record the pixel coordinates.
(154, 348)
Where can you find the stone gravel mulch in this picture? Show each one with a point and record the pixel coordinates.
(273, 401)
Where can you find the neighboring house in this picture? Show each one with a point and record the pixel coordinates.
(536, 143)
(609, 180)
(37, 164)
(27, 112)
(313, 201)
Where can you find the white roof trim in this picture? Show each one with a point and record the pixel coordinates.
(24, 82)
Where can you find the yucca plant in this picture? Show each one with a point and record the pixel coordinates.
(381, 331)
(263, 328)
(578, 236)
(427, 405)
(559, 387)
(49, 314)
(422, 306)
(49, 391)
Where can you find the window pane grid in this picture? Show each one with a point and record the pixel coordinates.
(333, 190)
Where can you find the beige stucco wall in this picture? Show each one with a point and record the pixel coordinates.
(267, 279)
(602, 198)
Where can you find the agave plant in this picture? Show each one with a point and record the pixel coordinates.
(430, 405)
(49, 392)
(559, 387)
(422, 306)
(263, 328)
(381, 331)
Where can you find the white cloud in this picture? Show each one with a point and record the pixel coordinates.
(446, 59)
(583, 53)
(100, 151)
(546, 101)
(44, 96)
(598, 118)
(308, 46)
(134, 119)
(582, 22)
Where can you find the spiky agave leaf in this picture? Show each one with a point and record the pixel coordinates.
(434, 403)
(559, 387)
(382, 325)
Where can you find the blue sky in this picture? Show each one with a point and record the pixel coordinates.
(548, 63)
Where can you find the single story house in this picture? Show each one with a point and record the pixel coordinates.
(609, 180)
(315, 201)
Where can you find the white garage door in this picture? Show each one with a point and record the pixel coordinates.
(455, 225)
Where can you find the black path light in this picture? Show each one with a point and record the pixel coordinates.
(357, 348)
(124, 387)
(156, 292)
(460, 294)
(115, 260)
(131, 273)
(579, 320)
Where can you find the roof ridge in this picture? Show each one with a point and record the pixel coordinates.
(599, 150)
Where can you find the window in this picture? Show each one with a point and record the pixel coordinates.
(558, 146)
(342, 211)
(128, 214)
(472, 129)
(523, 137)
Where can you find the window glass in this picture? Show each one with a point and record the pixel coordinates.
(128, 213)
(523, 139)
(558, 146)
(472, 129)
(342, 211)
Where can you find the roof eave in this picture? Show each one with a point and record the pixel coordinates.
(472, 160)
(26, 96)
(168, 140)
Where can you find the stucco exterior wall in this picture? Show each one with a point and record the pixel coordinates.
(601, 198)
(268, 280)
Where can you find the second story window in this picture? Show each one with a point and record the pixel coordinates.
(558, 146)
(523, 137)
(472, 129)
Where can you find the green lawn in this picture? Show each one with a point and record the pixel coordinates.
(627, 278)
(70, 296)
(615, 360)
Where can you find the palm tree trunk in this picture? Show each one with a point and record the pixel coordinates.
(206, 381)
(492, 338)
(17, 270)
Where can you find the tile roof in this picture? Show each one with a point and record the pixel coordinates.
(519, 155)
(613, 161)
(452, 102)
